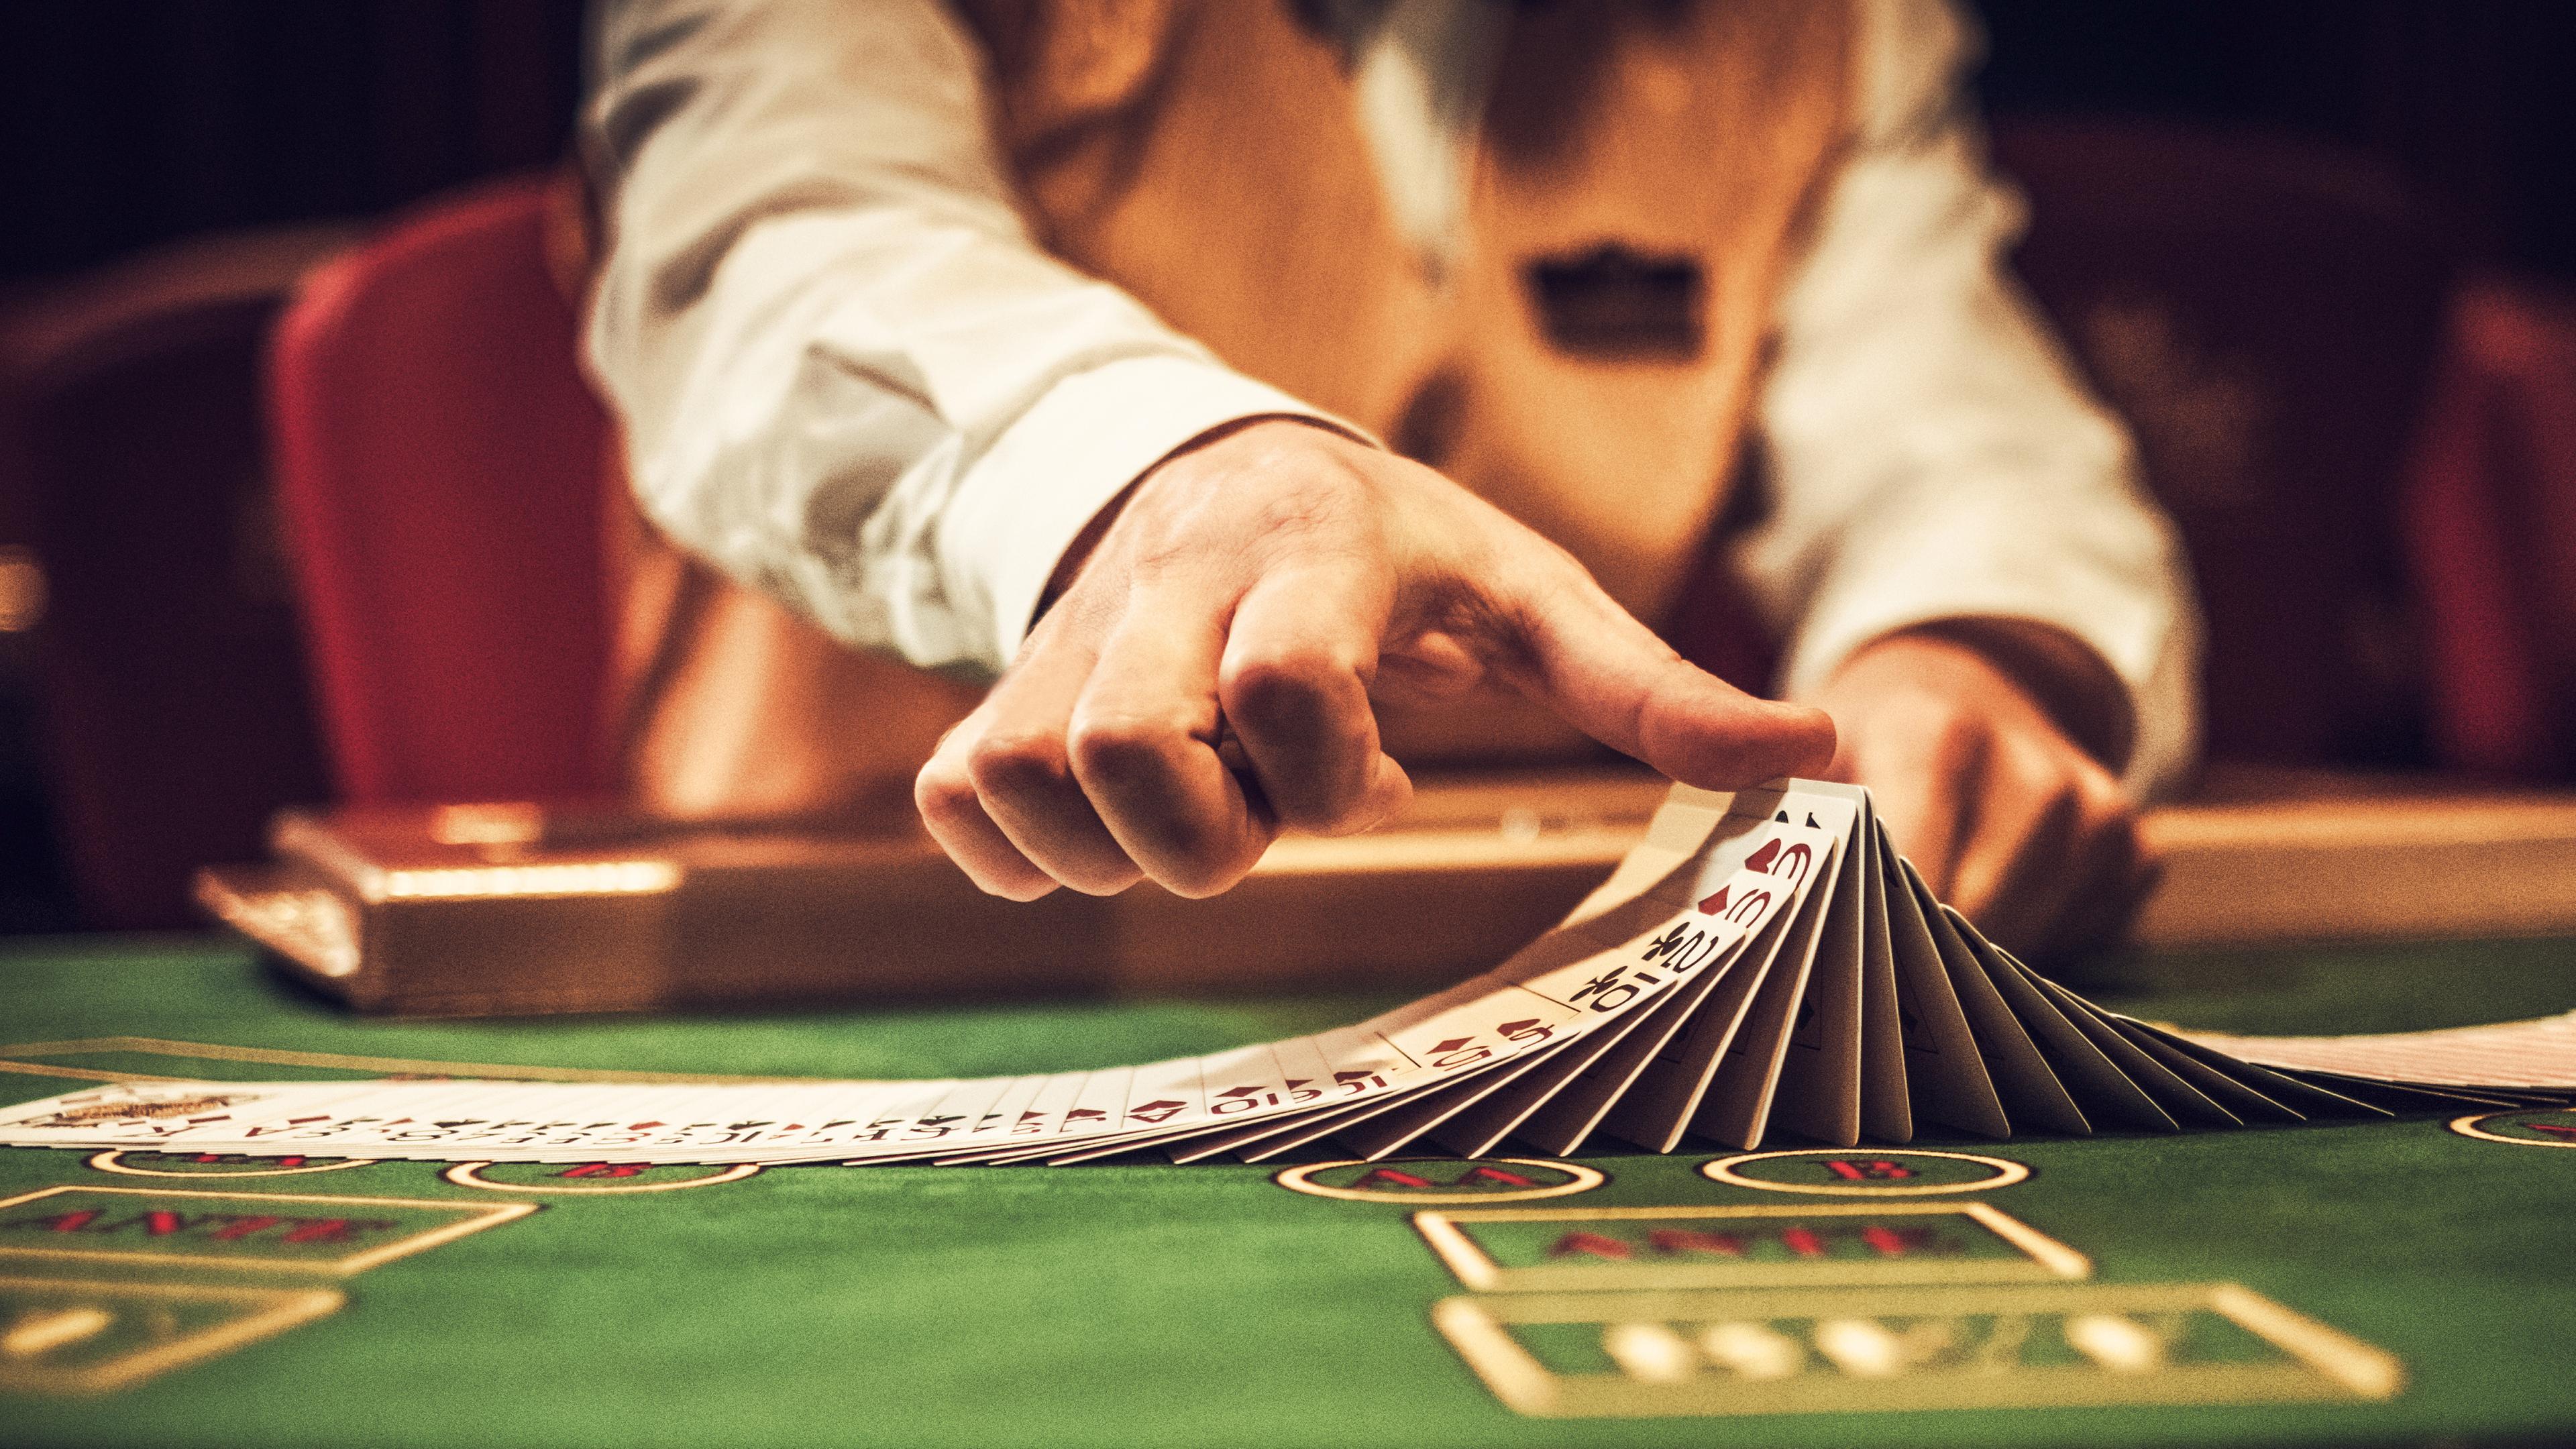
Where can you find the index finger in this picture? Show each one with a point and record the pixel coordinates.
(1613, 679)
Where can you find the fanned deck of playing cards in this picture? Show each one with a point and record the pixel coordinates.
(1763, 963)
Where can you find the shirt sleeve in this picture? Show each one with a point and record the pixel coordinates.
(847, 375)
(1930, 452)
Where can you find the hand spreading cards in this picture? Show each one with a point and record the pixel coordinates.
(1763, 962)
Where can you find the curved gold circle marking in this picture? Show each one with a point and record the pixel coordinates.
(112, 1160)
(2468, 1127)
(1723, 1170)
(1301, 1179)
(470, 1174)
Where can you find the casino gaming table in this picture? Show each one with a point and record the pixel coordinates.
(2399, 1281)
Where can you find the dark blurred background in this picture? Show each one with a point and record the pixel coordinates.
(132, 125)
(132, 122)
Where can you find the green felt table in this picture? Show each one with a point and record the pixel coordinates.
(1139, 1305)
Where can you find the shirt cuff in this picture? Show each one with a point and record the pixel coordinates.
(1072, 452)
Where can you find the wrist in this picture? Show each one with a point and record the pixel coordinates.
(1087, 542)
(2059, 676)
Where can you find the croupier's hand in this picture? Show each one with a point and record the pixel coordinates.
(1967, 736)
(1253, 593)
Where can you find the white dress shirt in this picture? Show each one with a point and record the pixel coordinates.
(849, 376)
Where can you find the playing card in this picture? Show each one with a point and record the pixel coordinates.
(2104, 1093)
(1820, 1085)
(1886, 1114)
(2176, 1098)
(1945, 1076)
(1737, 1099)
(1763, 959)
(2030, 1092)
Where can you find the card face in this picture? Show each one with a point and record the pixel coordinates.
(1648, 1090)
(1243, 1091)
(1310, 1130)
(1612, 1083)
(1696, 953)
(1045, 1111)
(1305, 1079)
(1819, 1092)
(1309, 1084)
(1739, 1085)
(956, 1116)
(1806, 847)
(1390, 1131)
(1097, 1106)
(1722, 1079)
(1735, 1105)
(1477, 1131)
(142, 1114)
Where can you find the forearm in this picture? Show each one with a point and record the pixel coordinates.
(847, 374)
(2065, 677)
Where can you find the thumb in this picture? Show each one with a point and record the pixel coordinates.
(1612, 678)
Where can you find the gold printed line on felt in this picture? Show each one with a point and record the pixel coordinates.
(82, 1074)
(271, 1311)
(474, 1217)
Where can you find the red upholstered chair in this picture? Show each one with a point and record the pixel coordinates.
(439, 480)
(164, 676)
(2265, 313)
(2491, 526)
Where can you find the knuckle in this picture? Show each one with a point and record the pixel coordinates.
(1561, 572)
(1294, 686)
(1513, 588)
(1122, 747)
(1271, 495)
(943, 791)
(1014, 764)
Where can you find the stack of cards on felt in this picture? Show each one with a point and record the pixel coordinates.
(1763, 964)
